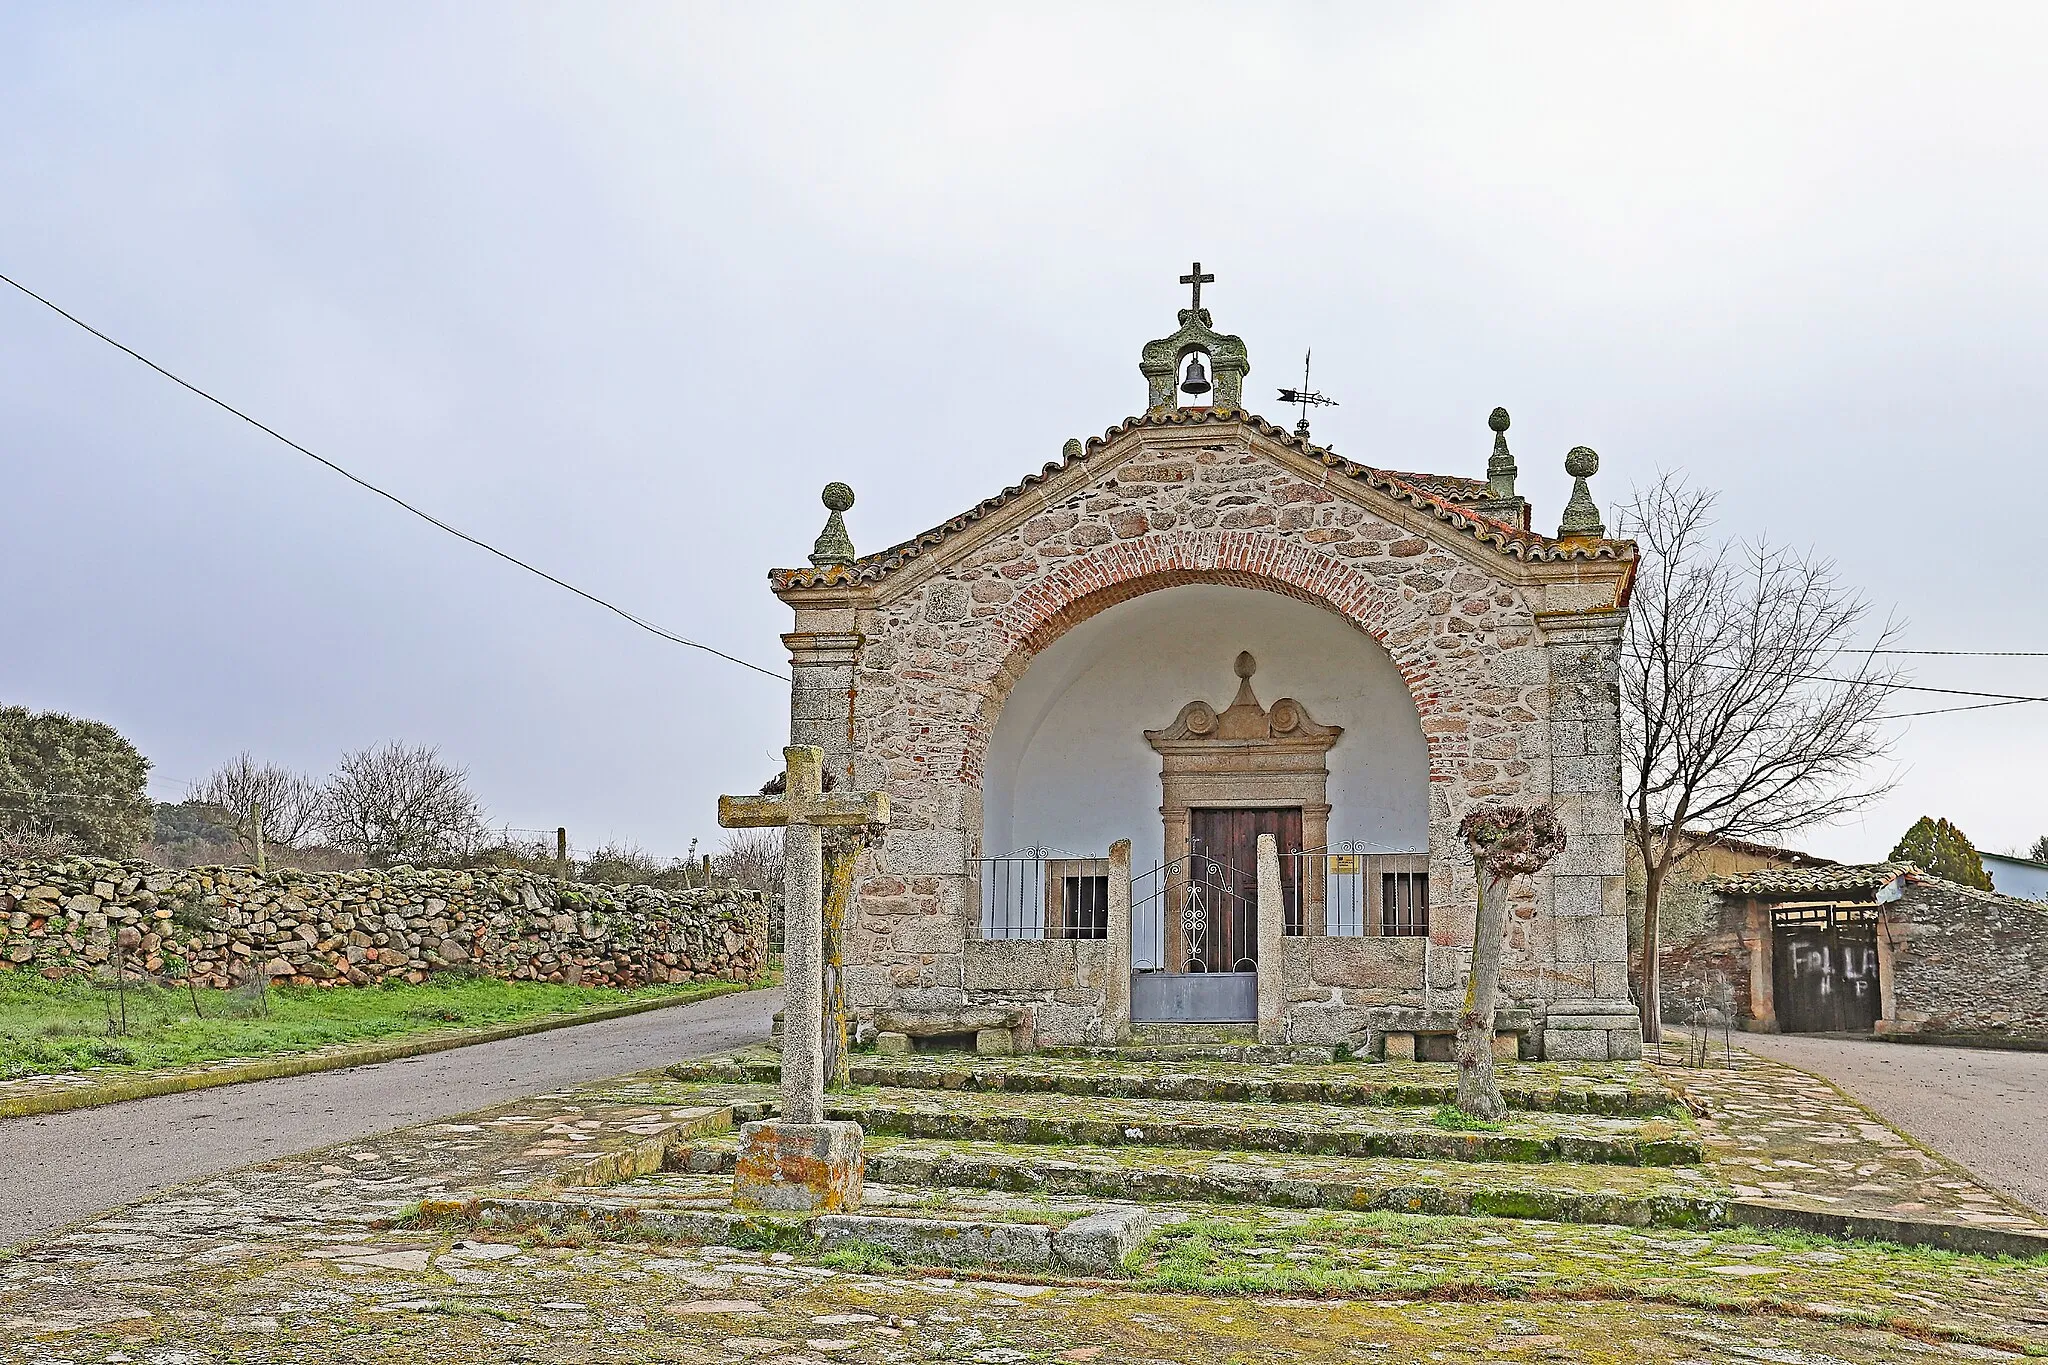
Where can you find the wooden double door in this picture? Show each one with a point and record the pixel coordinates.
(1825, 969)
(1223, 859)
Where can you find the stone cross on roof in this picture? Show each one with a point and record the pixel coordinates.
(1196, 278)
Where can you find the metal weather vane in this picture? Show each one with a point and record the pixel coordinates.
(1307, 397)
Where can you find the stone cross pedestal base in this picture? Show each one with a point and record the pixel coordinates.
(799, 1167)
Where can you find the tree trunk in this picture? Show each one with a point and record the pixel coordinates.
(1478, 1092)
(1650, 978)
(839, 858)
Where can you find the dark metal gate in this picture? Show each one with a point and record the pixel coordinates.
(1824, 969)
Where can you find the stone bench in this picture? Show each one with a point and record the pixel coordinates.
(994, 1028)
(1403, 1033)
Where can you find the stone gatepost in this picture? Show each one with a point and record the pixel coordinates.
(1272, 944)
(801, 1161)
(1116, 990)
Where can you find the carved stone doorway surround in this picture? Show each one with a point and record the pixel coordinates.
(1244, 756)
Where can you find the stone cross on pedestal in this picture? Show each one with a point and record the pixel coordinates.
(801, 1161)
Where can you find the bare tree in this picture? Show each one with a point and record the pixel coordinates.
(750, 858)
(242, 789)
(395, 804)
(1748, 710)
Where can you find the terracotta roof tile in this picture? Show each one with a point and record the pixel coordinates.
(1433, 493)
(1776, 883)
(1454, 487)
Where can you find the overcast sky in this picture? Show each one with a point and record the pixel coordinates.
(620, 287)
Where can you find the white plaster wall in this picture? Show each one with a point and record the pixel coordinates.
(1068, 767)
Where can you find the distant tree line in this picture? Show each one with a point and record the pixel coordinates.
(70, 785)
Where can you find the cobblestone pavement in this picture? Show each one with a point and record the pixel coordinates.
(1982, 1107)
(298, 1260)
(1775, 1132)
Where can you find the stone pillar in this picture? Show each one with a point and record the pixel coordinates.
(1272, 944)
(822, 654)
(803, 1000)
(1116, 989)
(1589, 1014)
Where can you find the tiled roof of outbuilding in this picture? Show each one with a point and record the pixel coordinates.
(1781, 883)
(1432, 493)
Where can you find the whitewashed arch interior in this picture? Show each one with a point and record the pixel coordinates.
(1068, 766)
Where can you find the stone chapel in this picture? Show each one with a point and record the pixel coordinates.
(1087, 697)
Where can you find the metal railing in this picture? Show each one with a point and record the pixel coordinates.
(1354, 890)
(1044, 893)
(1195, 914)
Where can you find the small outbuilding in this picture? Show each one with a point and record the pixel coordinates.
(1876, 948)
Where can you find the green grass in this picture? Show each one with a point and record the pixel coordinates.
(55, 1027)
(1458, 1121)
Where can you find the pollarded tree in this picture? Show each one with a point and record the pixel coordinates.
(1748, 710)
(66, 776)
(1505, 842)
(1939, 848)
(395, 804)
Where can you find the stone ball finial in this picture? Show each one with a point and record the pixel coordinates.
(834, 545)
(1246, 664)
(1498, 419)
(1582, 462)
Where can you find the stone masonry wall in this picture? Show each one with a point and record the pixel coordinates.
(1964, 961)
(1331, 984)
(943, 640)
(223, 923)
(1724, 944)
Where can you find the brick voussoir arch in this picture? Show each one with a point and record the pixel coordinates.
(1079, 587)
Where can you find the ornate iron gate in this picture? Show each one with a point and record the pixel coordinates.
(1195, 964)
(1824, 973)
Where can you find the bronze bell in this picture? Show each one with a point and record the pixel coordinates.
(1198, 377)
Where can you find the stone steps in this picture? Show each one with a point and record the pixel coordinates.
(1309, 1129)
(1266, 1054)
(1559, 1192)
(1071, 1241)
(1158, 1035)
(1364, 1085)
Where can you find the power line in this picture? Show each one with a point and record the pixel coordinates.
(431, 520)
(1965, 653)
(1951, 710)
(1878, 683)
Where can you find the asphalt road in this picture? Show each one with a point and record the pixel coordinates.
(1983, 1109)
(56, 1168)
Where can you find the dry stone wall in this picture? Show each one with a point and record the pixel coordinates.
(224, 924)
(1966, 962)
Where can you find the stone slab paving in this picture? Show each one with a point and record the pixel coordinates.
(292, 1262)
(1986, 1108)
(299, 1260)
(1781, 1135)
